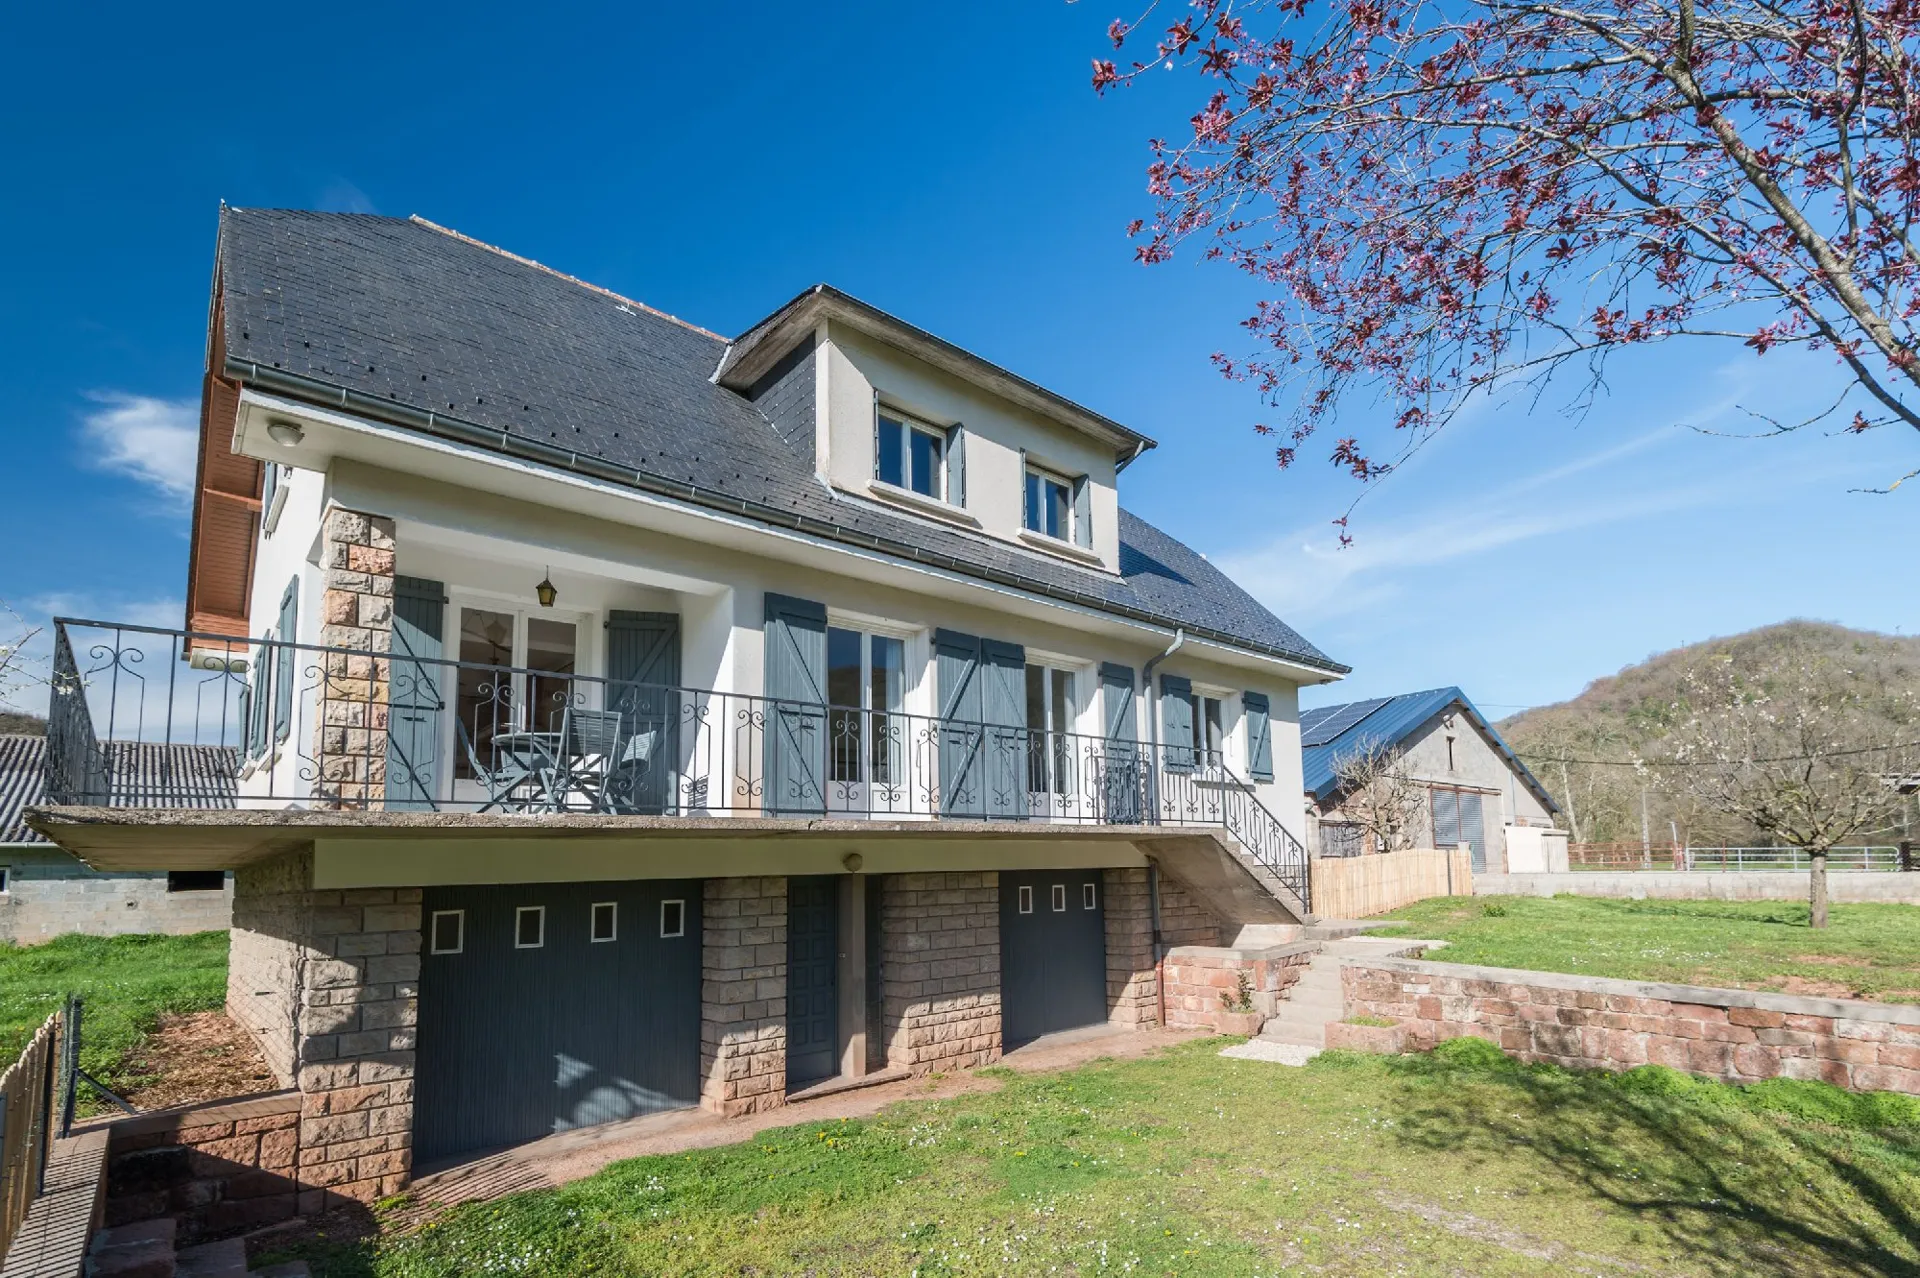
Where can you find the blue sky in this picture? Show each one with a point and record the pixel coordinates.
(951, 166)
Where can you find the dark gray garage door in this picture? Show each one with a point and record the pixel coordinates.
(550, 1006)
(1053, 953)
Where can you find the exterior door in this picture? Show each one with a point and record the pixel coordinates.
(545, 1007)
(1053, 953)
(813, 979)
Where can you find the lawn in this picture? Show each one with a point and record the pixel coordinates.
(126, 982)
(1189, 1163)
(1869, 951)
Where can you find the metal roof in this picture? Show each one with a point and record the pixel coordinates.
(141, 774)
(1333, 733)
(400, 320)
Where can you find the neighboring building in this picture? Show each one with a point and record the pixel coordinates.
(629, 717)
(1477, 792)
(45, 892)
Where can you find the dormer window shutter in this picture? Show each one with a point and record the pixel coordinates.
(957, 465)
(1083, 512)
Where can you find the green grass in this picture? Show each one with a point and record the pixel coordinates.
(1461, 1162)
(1872, 949)
(125, 982)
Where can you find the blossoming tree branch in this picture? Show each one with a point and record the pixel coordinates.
(1445, 196)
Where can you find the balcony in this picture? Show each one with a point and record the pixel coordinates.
(145, 717)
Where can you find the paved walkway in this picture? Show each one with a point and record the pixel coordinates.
(568, 1156)
(1316, 998)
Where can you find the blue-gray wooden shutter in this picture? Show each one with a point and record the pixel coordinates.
(287, 658)
(795, 724)
(957, 465)
(1473, 831)
(1176, 723)
(1121, 783)
(643, 682)
(415, 701)
(956, 671)
(1003, 708)
(259, 694)
(1446, 818)
(1259, 735)
(269, 481)
(1083, 512)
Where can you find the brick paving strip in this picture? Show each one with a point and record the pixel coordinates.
(569, 1156)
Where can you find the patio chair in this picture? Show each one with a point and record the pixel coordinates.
(513, 770)
(591, 751)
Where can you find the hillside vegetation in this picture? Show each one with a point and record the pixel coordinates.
(1624, 713)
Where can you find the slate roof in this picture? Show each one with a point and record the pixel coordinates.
(401, 320)
(1330, 734)
(142, 774)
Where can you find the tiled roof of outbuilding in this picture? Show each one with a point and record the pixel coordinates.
(141, 774)
(408, 320)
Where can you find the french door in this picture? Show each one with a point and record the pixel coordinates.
(516, 675)
(866, 725)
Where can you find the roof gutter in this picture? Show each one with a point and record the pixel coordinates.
(326, 394)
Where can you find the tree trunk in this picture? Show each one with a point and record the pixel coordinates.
(1817, 887)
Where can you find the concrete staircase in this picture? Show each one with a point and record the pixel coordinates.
(1315, 999)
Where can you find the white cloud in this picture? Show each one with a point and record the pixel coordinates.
(342, 196)
(152, 440)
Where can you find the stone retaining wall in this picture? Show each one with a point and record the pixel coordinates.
(1197, 975)
(1586, 1022)
(1705, 885)
(218, 1169)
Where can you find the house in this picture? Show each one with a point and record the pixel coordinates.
(45, 892)
(1472, 788)
(628, 717)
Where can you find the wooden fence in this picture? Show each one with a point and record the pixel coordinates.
(26, 1117)
(1356, 887)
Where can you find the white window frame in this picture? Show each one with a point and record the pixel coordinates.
(460, 931)
(586, 658)
(1053, 668)
(1026, 898)
(914, 647)
(681, 904)
(1059, 898)
(1232, 719)
(593, 919)
(520, 912)
(1089, 897)
(1046, 475)
(909, 423)
(6, 879)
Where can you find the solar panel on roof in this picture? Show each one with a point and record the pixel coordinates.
(1332, 721)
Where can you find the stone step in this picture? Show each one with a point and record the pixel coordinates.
(226, 1259)
(143, 1249)
(286, 1269)
(1306, 1034)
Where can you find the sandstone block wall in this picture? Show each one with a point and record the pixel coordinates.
(743, 995)
(1185, 919)
(1589, 1022)
(220, 1169)
(328, 983)
(1197, 975)
(1133, 989)
(940, 938)
(356, 612)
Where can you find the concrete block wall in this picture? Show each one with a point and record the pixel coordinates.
(328, 983)
(50, 894)
(1586, 1022)
(940, 934)
(743, 995)
(1133, 986)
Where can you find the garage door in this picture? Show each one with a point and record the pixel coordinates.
(550, 1006)
(1053, 953)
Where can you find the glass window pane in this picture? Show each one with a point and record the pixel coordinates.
(551, 648)
(1214, 735)
(890, 461)
(1062, 709)
(887, 690)
(926, 463)
(484, 700)
(843, 690)
(1033, 501)
(889, 673)
(1058, 504)
(1037, 698)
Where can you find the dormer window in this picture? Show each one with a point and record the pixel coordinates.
(910, 455)
(1049, 504)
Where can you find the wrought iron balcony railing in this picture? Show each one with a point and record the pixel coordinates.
(258, 723)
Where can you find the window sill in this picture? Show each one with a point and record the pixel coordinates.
(919, 501)
(1064, 549)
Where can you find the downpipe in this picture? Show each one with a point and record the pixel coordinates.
(1159, 943)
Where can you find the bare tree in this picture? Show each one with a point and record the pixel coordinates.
(1804, 753)
(16, 666)
(1381, 798)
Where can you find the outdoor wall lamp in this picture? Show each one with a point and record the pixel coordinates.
(285, 433)
(545, 590)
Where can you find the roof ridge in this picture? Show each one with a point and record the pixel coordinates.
(571, 279)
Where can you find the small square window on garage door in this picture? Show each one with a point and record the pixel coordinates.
(447, 932)
(604, 925)
(529, 927)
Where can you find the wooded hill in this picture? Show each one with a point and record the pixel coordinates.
(1622, 713)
